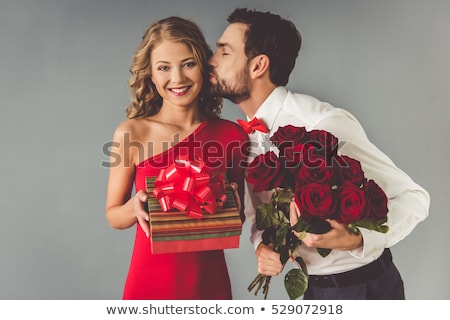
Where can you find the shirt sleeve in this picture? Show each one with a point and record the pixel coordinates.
(251, 203)
(408, 203)
(236, 150)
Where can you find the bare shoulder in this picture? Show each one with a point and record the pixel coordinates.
(132, 138)
(132, 129)
(127, 126)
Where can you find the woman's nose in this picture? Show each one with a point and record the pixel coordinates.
(177, 75)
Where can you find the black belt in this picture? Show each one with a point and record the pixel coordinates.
(356, 276)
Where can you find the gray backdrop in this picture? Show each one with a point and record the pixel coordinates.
(63, 89)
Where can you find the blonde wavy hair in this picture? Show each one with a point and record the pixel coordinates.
(145, 100)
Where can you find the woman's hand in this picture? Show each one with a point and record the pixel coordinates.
(139, 209)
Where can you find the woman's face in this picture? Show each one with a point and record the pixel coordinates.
(176, 75)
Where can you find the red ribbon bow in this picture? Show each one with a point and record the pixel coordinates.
(184, 186)
(252, 125)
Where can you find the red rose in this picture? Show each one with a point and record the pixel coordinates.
(293, 156)
(315, 201)
(350, 170)
(315, 170)
(265, 172)
(288, 135)
(352, 203)
(325, 143)
(376, 201)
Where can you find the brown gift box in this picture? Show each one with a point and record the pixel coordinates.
(174, 231)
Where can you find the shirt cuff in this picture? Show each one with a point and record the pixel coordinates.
(373, 242)
(256, 237)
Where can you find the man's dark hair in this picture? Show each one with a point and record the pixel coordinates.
(270, 34)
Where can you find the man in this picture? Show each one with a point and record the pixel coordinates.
(251, 66)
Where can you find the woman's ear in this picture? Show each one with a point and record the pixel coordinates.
(259, 66)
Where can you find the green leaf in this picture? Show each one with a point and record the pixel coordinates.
(300, 226)
(281, 235)
(323, 251)
(284, 254)
(302, 264)
(372, 225)
(302, 235)
(269, 235)
(295, 283)
(285, 196)
(381, 221)
(266, 216)
(282, 217)
(353, 229)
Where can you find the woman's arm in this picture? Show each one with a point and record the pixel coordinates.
(122, 210)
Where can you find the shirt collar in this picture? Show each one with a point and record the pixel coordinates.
(269, 109)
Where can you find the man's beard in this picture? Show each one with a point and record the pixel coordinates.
(235, 92)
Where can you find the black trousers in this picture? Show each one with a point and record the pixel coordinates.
(386, 284)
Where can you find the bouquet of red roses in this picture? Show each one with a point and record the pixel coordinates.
(323, 184)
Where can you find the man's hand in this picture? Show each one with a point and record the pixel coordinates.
(269, 263)
(338, 238)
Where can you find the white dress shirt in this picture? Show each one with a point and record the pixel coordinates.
(408, 203)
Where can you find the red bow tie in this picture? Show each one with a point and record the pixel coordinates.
(252, 125)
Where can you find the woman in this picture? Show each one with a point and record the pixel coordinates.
(172, 113)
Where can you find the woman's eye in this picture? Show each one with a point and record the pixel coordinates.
(163, 68)
(190, 64)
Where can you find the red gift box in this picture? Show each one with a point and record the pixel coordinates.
(173, 230)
